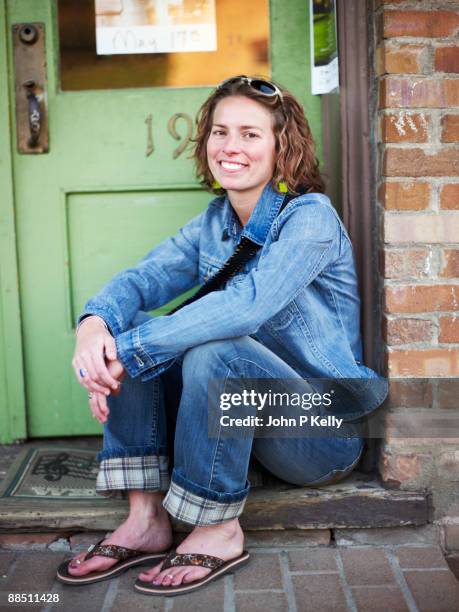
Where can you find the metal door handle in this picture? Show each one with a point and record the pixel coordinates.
(34, 113)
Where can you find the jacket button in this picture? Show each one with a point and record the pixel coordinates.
(139, 361)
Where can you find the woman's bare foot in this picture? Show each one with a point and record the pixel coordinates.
(147, 528)
(225, 541)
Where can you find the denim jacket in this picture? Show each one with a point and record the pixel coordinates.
(298, 295)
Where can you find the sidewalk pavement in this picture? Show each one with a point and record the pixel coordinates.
(284, 575)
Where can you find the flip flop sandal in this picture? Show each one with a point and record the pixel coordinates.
(173, 559)
(127, 558)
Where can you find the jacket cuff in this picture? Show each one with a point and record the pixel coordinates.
(113, 327)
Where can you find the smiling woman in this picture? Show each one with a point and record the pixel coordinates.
(241, 151)
(290, 314)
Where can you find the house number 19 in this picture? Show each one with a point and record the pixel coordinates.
(173, 131)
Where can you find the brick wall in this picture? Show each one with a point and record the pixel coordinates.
(417, 76)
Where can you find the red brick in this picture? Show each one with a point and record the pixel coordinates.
(433, 227)
(255, 602)
(401, 59)
(418, 162)
(448, 393)
(449, 329)
(423, 362)
(450, 267)
(288, 538)
(405, 195)
(421, 298)
(447, 59)
(379, 599)
(406, 331)
(267, 565)
(431, 24)
(450, 128)
(406, 263)
(404, 127)
(410, 393)
(414, 92)
(449, 196)
(404, 470)
(428, 557)
(26, 540)
(434, 591)
(305, 560)
(317, 592)
(366, 566)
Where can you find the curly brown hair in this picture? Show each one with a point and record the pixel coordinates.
(296, 162)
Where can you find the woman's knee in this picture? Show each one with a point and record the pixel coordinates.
(299, 468)
(211, 358)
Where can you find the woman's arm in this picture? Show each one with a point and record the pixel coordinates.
(164, 273)
(308, 241)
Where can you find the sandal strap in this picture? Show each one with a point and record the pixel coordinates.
(112, 551)
(195, 559)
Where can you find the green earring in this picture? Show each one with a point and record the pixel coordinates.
(216, 185)
(282, 187)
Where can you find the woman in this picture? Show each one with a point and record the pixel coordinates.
(292, 313)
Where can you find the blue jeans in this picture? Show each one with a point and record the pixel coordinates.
(209, 483)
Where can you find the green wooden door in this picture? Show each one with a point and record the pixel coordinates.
(100, 198)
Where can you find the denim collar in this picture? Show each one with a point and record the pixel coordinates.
(261, 219)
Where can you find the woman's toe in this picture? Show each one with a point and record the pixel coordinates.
(195, 573)
(178, 576)
(151, 573)
(165, 577)
(76, 564)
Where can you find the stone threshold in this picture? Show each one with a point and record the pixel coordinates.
(357, 502)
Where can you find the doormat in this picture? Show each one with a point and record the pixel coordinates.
(52, 473)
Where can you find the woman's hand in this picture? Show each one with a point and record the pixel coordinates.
(98, 401)
(95, 349)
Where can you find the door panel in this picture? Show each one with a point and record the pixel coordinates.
(111, 186)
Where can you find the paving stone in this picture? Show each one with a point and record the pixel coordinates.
(261, 602)
(89, 598)
(34, 571)
(366, 566)
(288, 537)
(435, 591)
(6, 559)
(319, 559)
(431, 557)
(428, 534)
(262, 572)
(135, 602)
(211, 597)
(319, 592)
(379, 599)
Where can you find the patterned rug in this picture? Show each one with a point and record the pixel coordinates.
(52, 473)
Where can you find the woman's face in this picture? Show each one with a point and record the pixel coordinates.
(241, 146)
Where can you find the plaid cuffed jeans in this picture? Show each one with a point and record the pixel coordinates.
(208, 484)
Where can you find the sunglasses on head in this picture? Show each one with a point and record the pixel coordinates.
(266, 88)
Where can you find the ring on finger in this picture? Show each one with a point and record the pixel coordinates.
(90, 395)
(83, 372)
